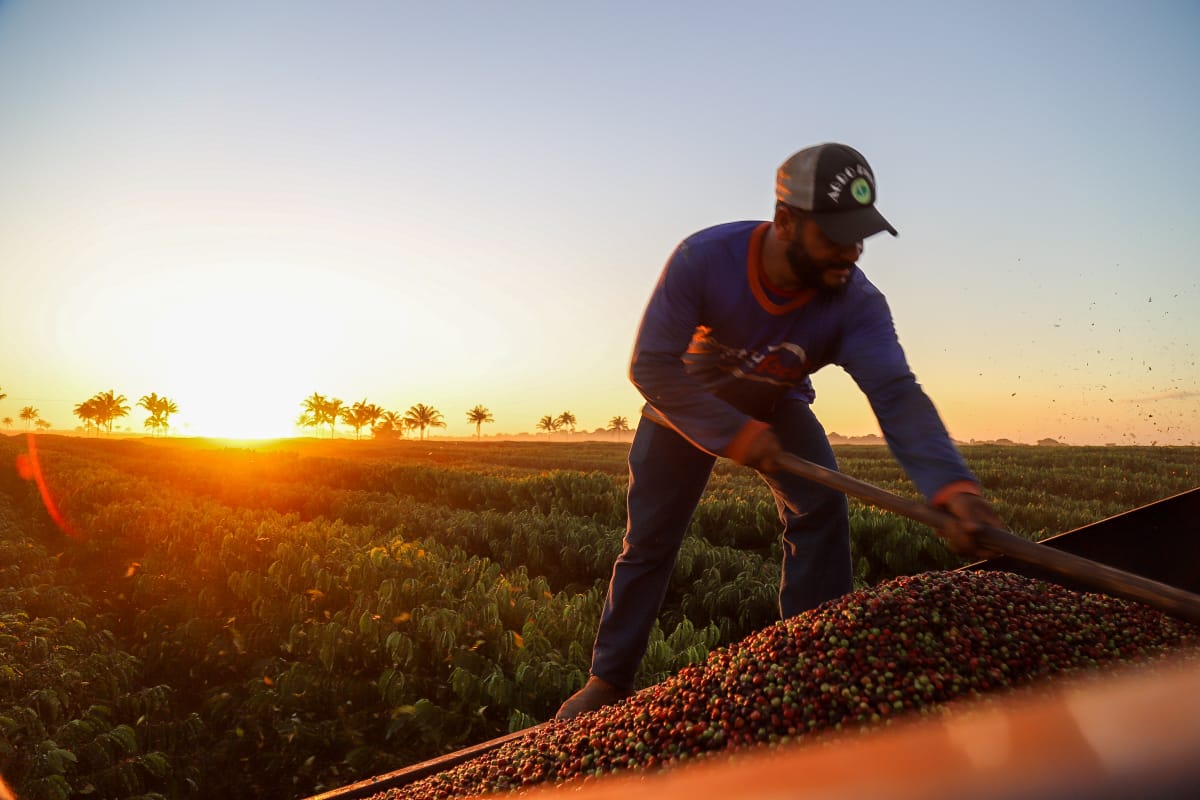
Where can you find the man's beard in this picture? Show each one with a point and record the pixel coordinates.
(811, 274)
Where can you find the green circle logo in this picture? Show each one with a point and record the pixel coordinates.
(860, 188)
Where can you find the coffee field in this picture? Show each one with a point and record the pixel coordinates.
(197, 619)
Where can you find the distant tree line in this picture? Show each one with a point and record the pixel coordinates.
(566, 422)
(319, 411)
(99, 412)
(29, 415)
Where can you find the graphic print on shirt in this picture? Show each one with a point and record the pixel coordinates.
(782, 364)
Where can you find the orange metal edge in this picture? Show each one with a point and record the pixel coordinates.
(1133, 733)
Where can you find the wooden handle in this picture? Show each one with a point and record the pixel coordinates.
(1118, 583)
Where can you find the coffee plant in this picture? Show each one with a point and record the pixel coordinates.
(204, 620)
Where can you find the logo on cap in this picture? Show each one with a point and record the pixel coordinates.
(860, 189)
(858, 179)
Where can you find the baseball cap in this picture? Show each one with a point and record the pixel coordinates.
(835, 184)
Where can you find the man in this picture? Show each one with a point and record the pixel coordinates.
(742, 315)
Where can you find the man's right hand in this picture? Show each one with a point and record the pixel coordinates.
(968, 512)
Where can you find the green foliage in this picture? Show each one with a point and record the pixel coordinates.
(284, 620)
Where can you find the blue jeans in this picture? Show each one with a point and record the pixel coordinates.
(667, 476)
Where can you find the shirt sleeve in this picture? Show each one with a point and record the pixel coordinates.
(677, 399)
(870, 352)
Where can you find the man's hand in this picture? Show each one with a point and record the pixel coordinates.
(763, 451)
(969, 512)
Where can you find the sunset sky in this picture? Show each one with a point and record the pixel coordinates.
(237, 204)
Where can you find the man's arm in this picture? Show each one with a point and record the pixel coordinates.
(870, 352)
(678, 400)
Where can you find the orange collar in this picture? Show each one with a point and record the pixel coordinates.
(760, 285)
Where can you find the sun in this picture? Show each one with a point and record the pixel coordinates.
(237, 396)
(239, 346)
(240, 353)
(215, 422)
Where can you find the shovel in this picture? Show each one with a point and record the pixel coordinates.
(1083, 571)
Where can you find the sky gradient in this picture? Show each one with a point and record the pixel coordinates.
(239, 204)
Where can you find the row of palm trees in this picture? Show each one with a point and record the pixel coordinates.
(29, 415)
(563, 422)
(100, 411)
(566, 422)
(319, 410)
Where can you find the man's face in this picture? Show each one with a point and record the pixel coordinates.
(819, 263)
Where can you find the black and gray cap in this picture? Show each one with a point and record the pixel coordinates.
(834, 183)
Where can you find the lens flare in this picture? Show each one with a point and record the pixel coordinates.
(30, 469)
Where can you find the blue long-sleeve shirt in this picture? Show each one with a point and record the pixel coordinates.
(718, 348)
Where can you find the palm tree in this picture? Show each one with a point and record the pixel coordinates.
(618, 425)
(361, 415)
(422, 416)
(566, 420)
(7, 421)
(389, 426)
(160, 408)
(163, 418)
(103, 408)
(41, 424)
(322, 411)
(89, 412)
(334, 412)
(114, 405)
(2, 394)
(548, 424)
(166, 408)
(479, 415)
(314, 409)
(29, 414)
(306, 420)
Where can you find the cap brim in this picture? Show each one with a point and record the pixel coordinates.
(847, 227)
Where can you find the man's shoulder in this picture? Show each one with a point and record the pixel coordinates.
(861, 296)
(861, 286)
(725, 245)
(724, 234)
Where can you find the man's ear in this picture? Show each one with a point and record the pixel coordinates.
(787, 227)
